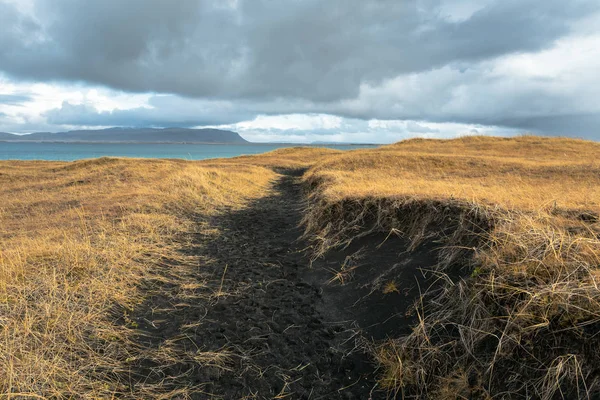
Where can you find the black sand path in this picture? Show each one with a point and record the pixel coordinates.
(286, 331)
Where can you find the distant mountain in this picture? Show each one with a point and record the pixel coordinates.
(7, 136)
(143, 135)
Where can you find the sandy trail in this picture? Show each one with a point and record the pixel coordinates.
(282, 337)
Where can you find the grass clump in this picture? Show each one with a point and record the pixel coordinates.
(519, 218)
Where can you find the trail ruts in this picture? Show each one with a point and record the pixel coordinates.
(260, 307)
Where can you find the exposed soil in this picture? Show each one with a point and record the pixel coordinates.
(289, 330)
(382, 286)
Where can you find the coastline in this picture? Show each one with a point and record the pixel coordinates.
(188, 142)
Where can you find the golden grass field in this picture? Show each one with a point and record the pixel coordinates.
(75, 241)
(519, 215)
(525, 172)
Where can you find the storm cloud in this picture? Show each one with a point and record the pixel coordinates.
(496, 63)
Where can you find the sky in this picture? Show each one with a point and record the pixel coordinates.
(375, 71)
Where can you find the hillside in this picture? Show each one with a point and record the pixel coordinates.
(509, 306)
(145, 135)
(7, 136)
(430, 269)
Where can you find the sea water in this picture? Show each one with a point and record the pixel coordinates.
(78, 151)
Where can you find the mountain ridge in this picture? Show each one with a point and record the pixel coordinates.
(131, 135)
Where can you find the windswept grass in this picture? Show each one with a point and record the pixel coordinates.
(522, 173)
(76, 240)
(289, 158)
(519, 217)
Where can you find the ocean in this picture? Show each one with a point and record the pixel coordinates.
(78, 151)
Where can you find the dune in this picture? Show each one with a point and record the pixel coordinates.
(441, 269)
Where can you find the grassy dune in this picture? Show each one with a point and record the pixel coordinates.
(525, 172)
(517, 219)
(76, 240)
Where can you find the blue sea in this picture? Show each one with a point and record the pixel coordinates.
(78, 151)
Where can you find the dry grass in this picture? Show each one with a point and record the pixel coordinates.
(523, 173)
(520, 218)
(288, 158)
(76, 239)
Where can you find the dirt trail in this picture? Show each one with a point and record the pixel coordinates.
(282, 337)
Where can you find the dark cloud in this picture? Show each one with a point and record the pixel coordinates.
(585, 126)
(223, 61)
(308, 49)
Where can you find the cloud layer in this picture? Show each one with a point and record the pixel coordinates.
(514, 64)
